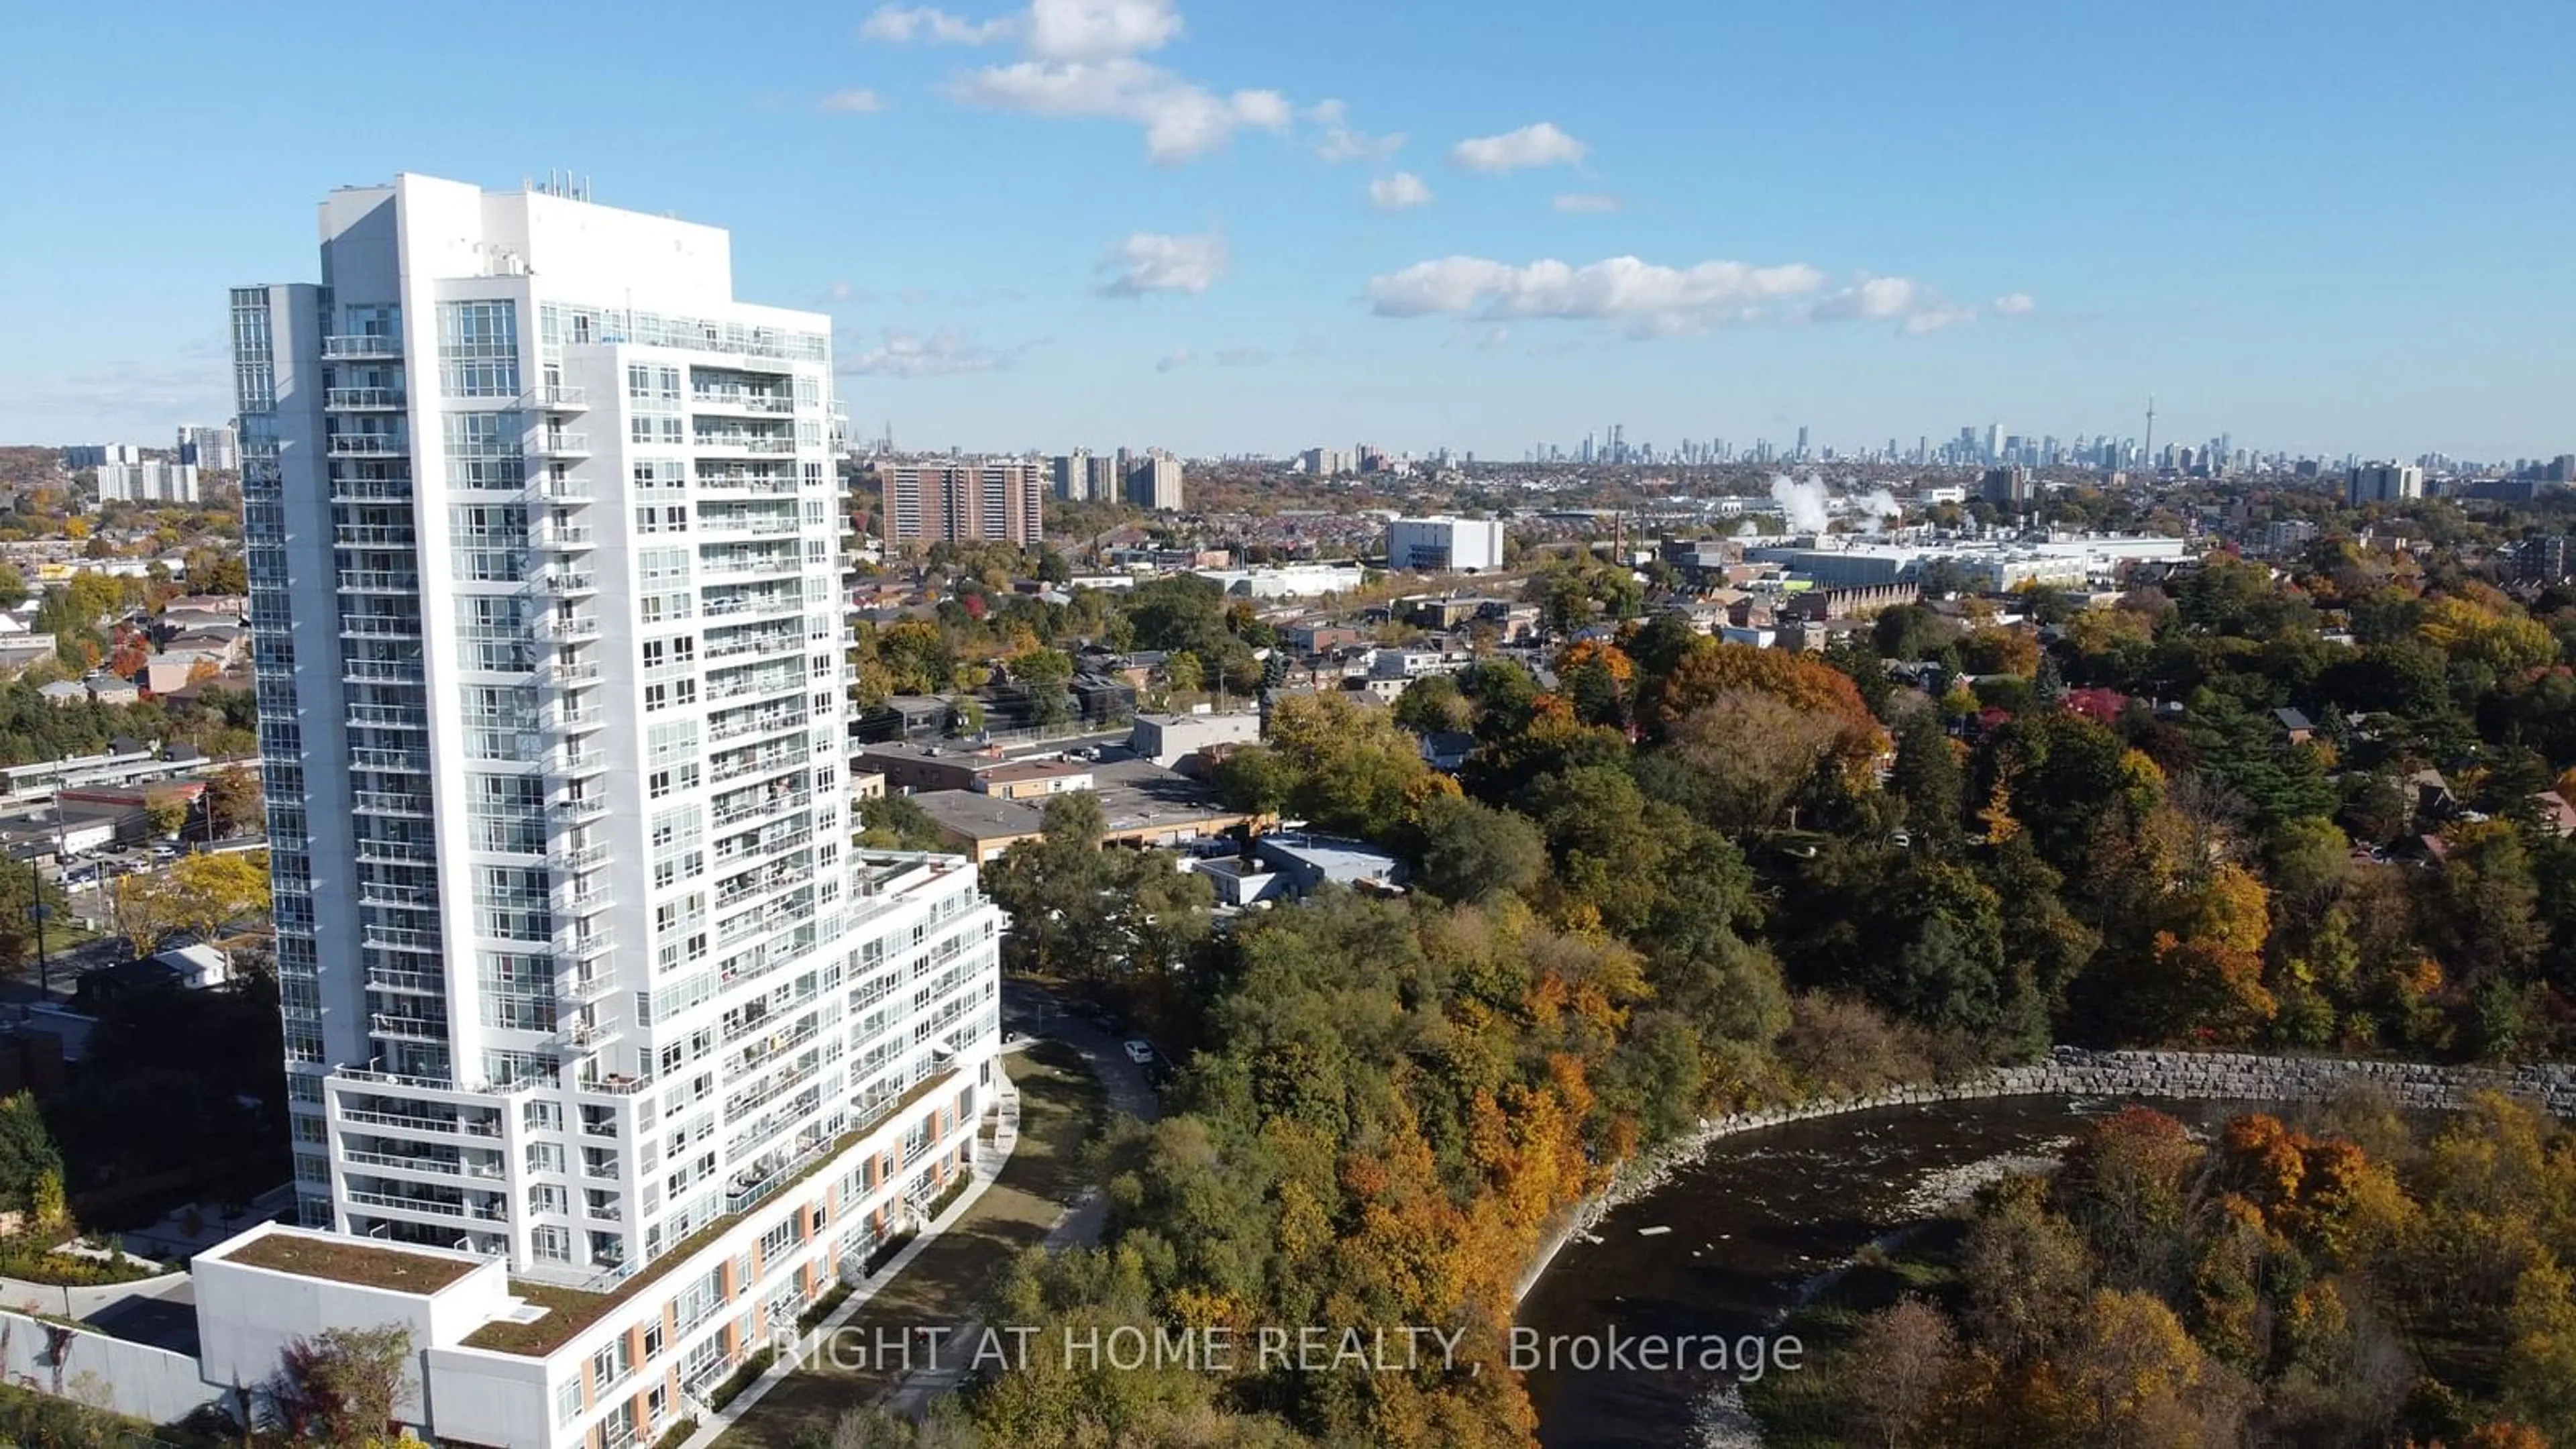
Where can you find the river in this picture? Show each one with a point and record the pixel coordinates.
(1760, 1215)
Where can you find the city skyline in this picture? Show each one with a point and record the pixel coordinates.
(1240, 257)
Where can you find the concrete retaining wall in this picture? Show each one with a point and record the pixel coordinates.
(2076, 1072)
(82, 1302)
(152, 1384)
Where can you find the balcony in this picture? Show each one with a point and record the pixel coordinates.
(583, 988)
(414, 762)
(370, 490)
(563, 490)
(779, 564)
(572, 720)
(383, 802)
(576, 808)
(721, 526)
(586, 1036)
(555, 398)
(561, 538)
(417, 983)
(565, 584)
(776, 802)
(566, 628)
(573, 859)
(357, 346)
(406, 1122)
(768, 722)
(380, 581)
(400, 898)
(736, 480)
(576, 764)
(407, 1028)
(764, 444)
(568, 676)
(742, 400)
(746, 685)
(443, 1166)
(381, 671)
(753, 605)
(552, 443)
(755, 1184)
(395, 938)
(487, 1212)
(363, 399)
(369, 445)
(769, 641)
(584, 946)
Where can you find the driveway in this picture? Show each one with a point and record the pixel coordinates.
(1034, 1012)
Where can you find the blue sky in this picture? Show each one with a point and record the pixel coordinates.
(1258, 227)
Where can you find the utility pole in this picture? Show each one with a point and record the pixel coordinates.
(37, 911)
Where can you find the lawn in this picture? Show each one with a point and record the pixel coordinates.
(1060, 1111)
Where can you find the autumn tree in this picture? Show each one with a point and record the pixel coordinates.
(1753, 751)
(207, 891)
(343, 1385)
(1900, 1362)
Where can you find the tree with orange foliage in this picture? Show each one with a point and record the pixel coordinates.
(1710, 669)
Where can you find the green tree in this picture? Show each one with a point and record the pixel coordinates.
(1473, 852)
(1927, 777)
(13, 586)
(28, 1156)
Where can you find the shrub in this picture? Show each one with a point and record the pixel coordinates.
(740, 1379)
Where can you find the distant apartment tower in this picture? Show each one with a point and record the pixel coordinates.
(2008, 487)
(2547, 559)
(577, 965)
(2286, 536)
(147, 482)
(1081, 477)
(1327, 462)
(1154, 481)
(2383, 483)
(938, 500)
(217, 447)
(1444, 544)
(93, 455)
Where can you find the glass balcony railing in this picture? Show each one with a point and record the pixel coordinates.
(361, 345)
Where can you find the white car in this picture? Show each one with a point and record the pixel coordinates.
(1141, 1053)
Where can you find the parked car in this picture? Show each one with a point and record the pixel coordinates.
(1141, 1052)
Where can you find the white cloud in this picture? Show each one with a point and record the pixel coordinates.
(1933, 319)
(1341, 142)
(1175, 360)
(2015, 304)
(1182, 120)
(856, 102)
(1242, 356)
(901, 25)
(1914, 307)
(839, 292)
(1651, 300)
(1539, 145)
(1146, 262)
(1872, 298)
(1584, 202)
(1084, 30)
(945, 352)
(1401, 192)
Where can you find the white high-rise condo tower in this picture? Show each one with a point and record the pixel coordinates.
(580, 966)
